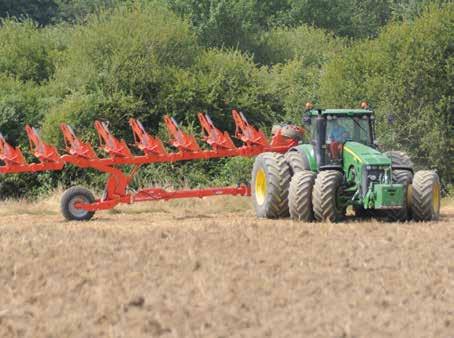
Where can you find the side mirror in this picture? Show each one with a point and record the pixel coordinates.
(390, 119)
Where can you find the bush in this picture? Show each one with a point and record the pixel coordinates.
(311, 45)
(144, 63)
(20, 104)
(26, 52)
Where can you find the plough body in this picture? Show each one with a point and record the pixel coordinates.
(78, 153)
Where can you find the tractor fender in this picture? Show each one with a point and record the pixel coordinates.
(332, 167)
(402, 167)
(307, 151)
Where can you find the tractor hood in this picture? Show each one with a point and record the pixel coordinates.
(366, 155)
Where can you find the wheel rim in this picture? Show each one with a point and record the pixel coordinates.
(436, 197)
(260, 187)
(77, 212)
(409, 196)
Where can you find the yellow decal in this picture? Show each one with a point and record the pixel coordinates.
(353, 154)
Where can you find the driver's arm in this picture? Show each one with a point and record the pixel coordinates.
(333, 135)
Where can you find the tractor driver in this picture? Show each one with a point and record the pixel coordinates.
(337, 137)
(338, 133)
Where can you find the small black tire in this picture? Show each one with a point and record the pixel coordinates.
(297, 161)
(404, 177)
(300, 196)
(426, 196)
(327, 187)
(70, 197)
(270, 185)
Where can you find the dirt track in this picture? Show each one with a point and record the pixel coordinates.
(193, 269)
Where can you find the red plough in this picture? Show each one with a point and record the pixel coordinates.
(79, 204)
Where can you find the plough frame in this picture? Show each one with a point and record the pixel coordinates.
(81, 154)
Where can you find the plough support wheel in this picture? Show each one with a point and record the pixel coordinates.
(69, 201)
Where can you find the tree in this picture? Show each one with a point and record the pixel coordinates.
(41, 11)
(230, 23)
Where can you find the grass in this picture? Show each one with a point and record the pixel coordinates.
(50, 205)
(209, 268)
(195, 207)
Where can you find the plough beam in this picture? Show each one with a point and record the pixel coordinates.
(145, 142)
(10, 155)
(44, 152)
(74, 146)
(246, 132)
(178, 138)
(110, 144)
(214, 137)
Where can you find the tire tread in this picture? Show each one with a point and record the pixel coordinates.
(324, 196)
(300, 196)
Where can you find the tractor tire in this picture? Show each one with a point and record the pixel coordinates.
(426, 196)
(399, 158)
(300, 196)
(297, 161)
(70, 197)
(270, 186)
(324, 196)
(404, 177)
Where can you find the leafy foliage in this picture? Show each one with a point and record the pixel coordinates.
(26, 52)
(76, 61)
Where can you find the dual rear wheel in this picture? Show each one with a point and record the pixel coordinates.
(303, 196)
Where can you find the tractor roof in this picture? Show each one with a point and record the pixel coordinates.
(349, 112)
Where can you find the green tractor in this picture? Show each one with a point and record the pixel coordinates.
(342, 167)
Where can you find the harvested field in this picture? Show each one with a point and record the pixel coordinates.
(209, 268)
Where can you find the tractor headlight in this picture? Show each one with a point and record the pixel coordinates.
(372, 177)
(376, 167)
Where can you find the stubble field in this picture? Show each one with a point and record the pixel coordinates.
(209, 268)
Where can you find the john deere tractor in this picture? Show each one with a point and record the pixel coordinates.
(342, 167)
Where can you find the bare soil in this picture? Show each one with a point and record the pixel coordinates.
(209, 268)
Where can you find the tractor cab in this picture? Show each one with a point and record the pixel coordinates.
(330, 129)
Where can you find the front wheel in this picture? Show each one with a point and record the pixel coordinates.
(405, 178)
(426, 196)
(325, 196)
(300, 196)
(68, 204)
